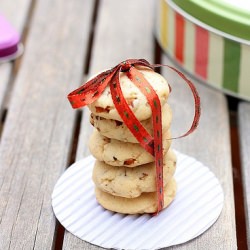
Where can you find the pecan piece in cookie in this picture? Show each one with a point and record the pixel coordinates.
(118, 123)
(102, 110)
(129, 161)
(106, 139)
(99, 118)
(144, 175)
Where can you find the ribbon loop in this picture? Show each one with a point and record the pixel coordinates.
(93, 89)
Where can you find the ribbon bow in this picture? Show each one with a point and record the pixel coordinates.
(91, 90)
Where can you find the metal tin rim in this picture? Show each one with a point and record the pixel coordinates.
(203, 25)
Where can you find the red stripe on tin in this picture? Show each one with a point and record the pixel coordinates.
(179, 37)
(201, 51)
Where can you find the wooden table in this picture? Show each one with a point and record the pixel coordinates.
(65, 42)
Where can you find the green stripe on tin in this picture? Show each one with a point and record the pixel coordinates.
(220, 15)
(244, 79)
(231, 70)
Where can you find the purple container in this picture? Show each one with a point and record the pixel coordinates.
(9, 40)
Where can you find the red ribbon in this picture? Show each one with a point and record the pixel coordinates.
(90, 91)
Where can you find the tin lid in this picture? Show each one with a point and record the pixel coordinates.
(229, 16)
(9, 38)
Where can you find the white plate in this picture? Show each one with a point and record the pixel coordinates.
(196, 207)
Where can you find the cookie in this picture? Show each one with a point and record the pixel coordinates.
(131, 182)
(118, 130)
(118, 153)
(104, 105)
(146, 203)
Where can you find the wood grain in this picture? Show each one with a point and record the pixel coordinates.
(16, 14)
(244, 136)
(118, 36)
(210, 144)
(38, 131)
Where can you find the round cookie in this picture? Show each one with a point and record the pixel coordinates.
(131, 182)
(104, 105)
(118, 130)
(117, 153)
(146, 203)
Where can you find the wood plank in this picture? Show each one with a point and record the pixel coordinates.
(118, 37)
(244, 136)
(37, 137)
(16, 14)
(210, 144)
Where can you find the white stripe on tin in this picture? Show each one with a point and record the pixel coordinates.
(189, 46)
(215, 60)
(244, 78)
(157, 27)
(171, 32)
(197, 206)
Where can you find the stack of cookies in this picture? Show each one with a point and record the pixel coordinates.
(124, 173)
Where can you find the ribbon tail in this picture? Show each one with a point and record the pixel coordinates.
(139, 80)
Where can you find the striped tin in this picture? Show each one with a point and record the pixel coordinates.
(219, 59)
